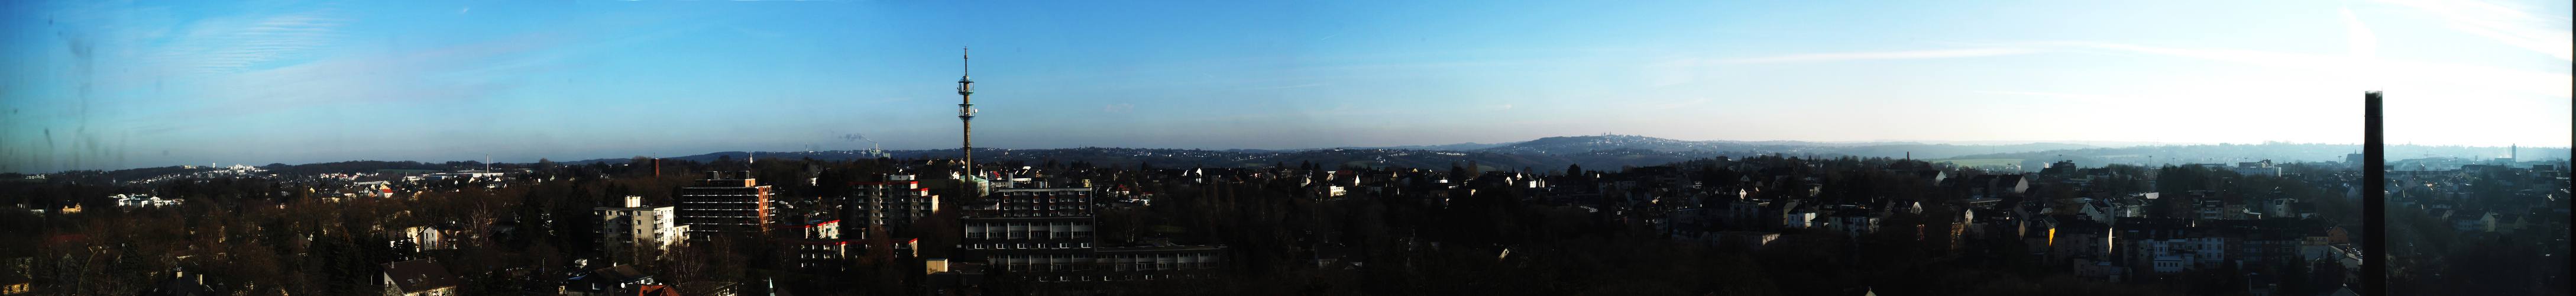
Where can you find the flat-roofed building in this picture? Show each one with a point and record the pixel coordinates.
(1048, 202)
(637, 225)
(818, 244)
(1049, 235)
(892, 200)
(723, 202)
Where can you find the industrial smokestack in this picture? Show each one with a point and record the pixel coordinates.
(2374, 198)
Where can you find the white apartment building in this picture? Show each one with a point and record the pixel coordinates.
(637, 224)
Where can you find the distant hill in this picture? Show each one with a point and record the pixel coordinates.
(1603, 152)
(1450, 147)
(1584, 144)
(1596, 152)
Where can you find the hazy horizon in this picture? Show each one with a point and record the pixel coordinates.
(2499, 149)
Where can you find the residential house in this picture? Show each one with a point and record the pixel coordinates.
(614, 280)
(424, 277)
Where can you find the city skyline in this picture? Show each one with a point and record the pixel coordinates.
(111, 86)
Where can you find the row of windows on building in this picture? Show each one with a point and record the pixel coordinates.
(896, 207)
(701, 219)
(1040, 203)
(1083, 262)
(1032, 214)
(914, 198)
(744, 207)
(894, 196)
(1028, 230)
(622, 223)
(1044, 207)
(911, 215)
(1147, 277)
(1031, 246)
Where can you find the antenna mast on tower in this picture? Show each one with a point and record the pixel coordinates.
(966, 106)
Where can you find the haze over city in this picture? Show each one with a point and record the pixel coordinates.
(96, 85)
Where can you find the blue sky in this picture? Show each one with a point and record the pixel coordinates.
(94, 84)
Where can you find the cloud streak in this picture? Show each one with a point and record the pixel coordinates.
(2086, 98)
(446, 73)
(1285, 87)
(1678, 103)
(1890, 55)
(2358, 38)
(234, 44)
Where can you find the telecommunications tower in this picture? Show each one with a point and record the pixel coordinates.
(966, 106)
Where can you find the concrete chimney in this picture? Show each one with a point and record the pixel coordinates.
(2374, 198)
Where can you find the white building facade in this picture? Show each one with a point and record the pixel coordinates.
(637, 225)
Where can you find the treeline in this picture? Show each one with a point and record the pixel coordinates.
(2278, 152)
(525, 235)
(1496, 241)
(265, 237)
(365, 166)
(2175, 183)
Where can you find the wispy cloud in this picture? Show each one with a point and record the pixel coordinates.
(2358, 38)
(1286, 87)
(227, 45)
(447, 73)
(1885, 55)
(2086, 98)
(2503, 23)
(1676, 103)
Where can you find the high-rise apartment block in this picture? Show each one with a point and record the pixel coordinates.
(725, 203)
(893, 200)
